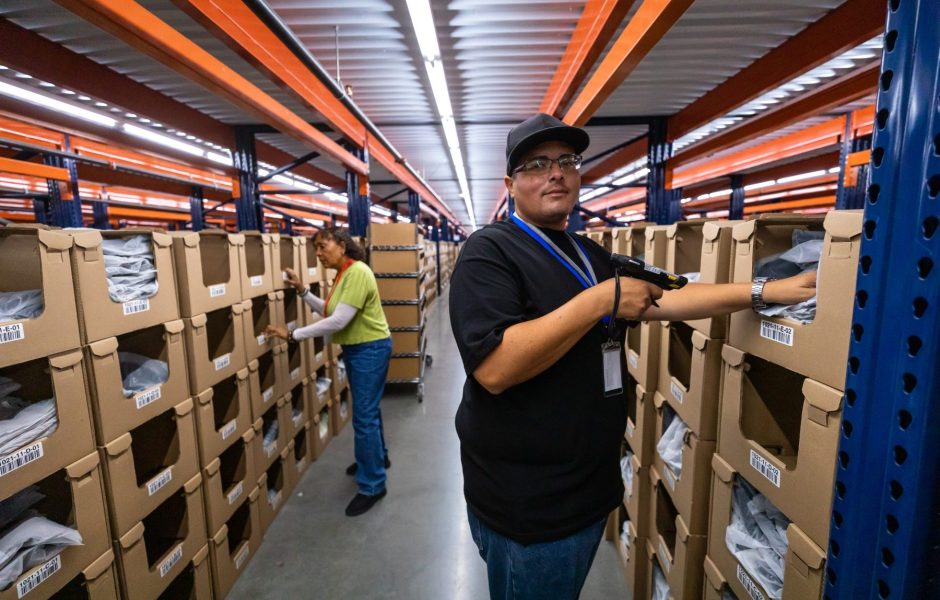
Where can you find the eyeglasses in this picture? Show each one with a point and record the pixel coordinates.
(542, 164)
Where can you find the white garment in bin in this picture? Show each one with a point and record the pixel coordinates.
(661, 590)
(21, 421)
(625, 537)
(803, 256)
(141, 373)
(270, 434)
(129, 267)
(15, 306)
(31, 542)
(757, 537)
(626, 471)
(670, 445)
(323, 385)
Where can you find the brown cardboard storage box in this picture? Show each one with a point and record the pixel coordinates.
(628, 241)
(342, 410)
(681, 554)
(99, 315)
(35, 258)
(803, 573)
(287, 252)
(320, 395)
(703, 247)
(404, 315)
(276, 416)
(258, 313)
(716, 586)
(207, 270)
(164, 543)
(689, 491)
(338, 375)
(404, 368)
(215, 346)
(300, 403)
(310, 266)
(640, 433)
(195, 580)
(395, 261)
(301, 456)
(234, 544)
(333, 353)
(228, 479)
(321, 432)
(394, 234)
(116, 414)
(256, 267)
(818, 350)
(98, 581)
(782, 431)
(633, 558)
(291, 311)
(293, 368)
(637, 499)
(72, 497)
(642, 353)
(147, 465)
(406, 342)
(264, 380)
(399, 288)
(602, 237)
(59, 377)
(273, 486)
(318, 352)
(690, 377)
(223, 412)
(653, 563)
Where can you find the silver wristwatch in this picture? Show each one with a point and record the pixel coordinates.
(757, 293)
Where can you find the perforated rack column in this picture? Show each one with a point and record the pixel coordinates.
(885, 523)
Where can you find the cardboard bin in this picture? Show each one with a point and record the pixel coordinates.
(320, 395)
(321, 432)
(147, 465)
(653, 564)
(294, 368)
(258, 313)
(263, 377)
(228, 479)
(98, 581)
(195, 580)
(301, 456)
(33, 257)
(681, 554)
(234, 544)
(640, 433)
(637, 500)
(716, 586)
(690, 377)
(208, 271)
(395, 261)
(277, 416)
(407, 342)
(215, 346)
(299, 403)
(642, 352)
(310, 265)
(404, 368)
(342, 410)
(399, 288)
(223, 412)
(256, 268)
(287, 252)
(633, 558)
(782, 430)
(274, 489)
(394, 234)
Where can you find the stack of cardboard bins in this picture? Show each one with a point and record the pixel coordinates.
(429, 256)
(329, 358)
(397, 263)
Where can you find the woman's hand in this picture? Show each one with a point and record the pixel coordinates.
(294, 279)
(791, 290)
(274, 331)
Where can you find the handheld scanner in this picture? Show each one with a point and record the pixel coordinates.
(636, 268)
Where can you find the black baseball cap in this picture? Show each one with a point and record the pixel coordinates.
(538, 129)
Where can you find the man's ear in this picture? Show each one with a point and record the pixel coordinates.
(509, 183)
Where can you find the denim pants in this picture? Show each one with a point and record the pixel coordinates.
(366, 368)
(550, 571)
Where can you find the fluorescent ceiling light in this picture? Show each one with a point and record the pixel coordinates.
(757, 186)
(57, 105)
(337, 197)
(222, 159)
(381, 210)
(163, 140)
(802, 176)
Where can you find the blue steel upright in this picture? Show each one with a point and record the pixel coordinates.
(663, 206)
(885, 527)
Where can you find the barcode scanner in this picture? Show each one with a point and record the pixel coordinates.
(627, 266)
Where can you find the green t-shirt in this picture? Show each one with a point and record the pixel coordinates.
(358, 289)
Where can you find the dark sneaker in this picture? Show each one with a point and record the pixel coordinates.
(362, 503)
(351, 469)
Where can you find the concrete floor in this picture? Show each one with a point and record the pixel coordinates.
(415, 543)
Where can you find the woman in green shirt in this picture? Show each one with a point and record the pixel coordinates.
(354, 317)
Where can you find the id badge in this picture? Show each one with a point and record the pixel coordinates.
(613, 379)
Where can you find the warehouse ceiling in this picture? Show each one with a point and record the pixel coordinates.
(499, 57)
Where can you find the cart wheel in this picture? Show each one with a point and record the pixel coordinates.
(428, 360)
(420, 392)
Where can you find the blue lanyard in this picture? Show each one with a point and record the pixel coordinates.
(586, 279)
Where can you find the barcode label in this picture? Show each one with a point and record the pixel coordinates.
(216, 290)
(276, 500)
(170, 561)
(256, 280)
(133, 307)
(677, 392)
(631, 429)
(222, 362)
(270, 449)
(670, 478)
(284, 275)
(155, 484)
(38, 576)
(634, 361)
(147, 397)
(12, 333)
(20, 458)
(268, 394)
(262, 340)
(241, 557)
(312, 271)
(295, 374)
(776, 333)
(235, 494)
(665, 557)
(229, 428)
(763, 466)
(749, 586)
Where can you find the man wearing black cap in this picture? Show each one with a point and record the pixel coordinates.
(543, 412)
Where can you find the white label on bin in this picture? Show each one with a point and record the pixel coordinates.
(763, 466)
(284, 275)
(749, 586)
(229, 428)
(634, 361)
(295, 373)
(241, 557)
(133, 307)
(12, 333)
(270, 449)
(38, 576)
(262, 340)
(20, 458)
(776, 333)
(216, 290)
(268, 394)
(160, 481)
(665, 557)
(670, 478)
(235, 494)
(256, 280)
(276, 500)
(223, 361)
(677, 392)
(170, 561)
(311, 271)
(631, 429)
(147, 397)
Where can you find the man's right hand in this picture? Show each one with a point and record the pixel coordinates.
(635, 297)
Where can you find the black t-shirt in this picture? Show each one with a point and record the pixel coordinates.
(541, 460)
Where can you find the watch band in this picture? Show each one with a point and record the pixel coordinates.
(290, 337)
(757, 293)
(303, 292)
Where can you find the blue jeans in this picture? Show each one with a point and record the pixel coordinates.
(366, 368)
(550, 570)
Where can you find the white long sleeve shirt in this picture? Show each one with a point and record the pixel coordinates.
(341, 317)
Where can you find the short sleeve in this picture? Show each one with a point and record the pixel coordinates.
(485, 299)
(356, 287)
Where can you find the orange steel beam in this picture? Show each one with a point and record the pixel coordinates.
(141, 29)
(652, 20)
(849, 88)
(793, 189)
(843, 28)
(241, 29)
(807, 140)
(22, 167)
(611, 163)
(598, 24)
(857, 159)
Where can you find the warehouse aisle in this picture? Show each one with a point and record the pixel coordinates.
(415, 543)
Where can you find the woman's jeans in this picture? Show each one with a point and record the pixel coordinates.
(547, 571)
(366, 368)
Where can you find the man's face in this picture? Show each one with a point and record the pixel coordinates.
(545, 198)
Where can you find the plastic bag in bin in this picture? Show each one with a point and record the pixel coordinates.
(626, 471)
(140, 372)
(661, 590)
(15, 306)
(671, 443)
(757, 537)
(129, 267)
(31, 542)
